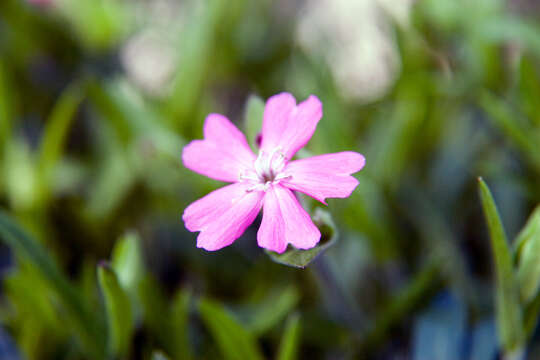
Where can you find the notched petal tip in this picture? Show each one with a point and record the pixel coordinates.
(223, 152)
(187, 153)
(359, 160)
(309, 243)
(212, 121)
(285, 222)
(209, 246)
(276, 249)
(314, 102)
(282, 98)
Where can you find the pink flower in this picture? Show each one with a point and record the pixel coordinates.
(265, 181)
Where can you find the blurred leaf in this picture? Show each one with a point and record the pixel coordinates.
(100, 24)
(86, 326)
(109, 109)
(531, 316)
(528, 253)
(509, 317)
(37, 322)
(302, 258)
(444, 13)
(233, 340)
(196, 49)
(253, 119)
(273, 309)
(507, 28)
(88, 285)
(6, 106)
(69, 176)
(290, 342)
(159, 355)
(134, 115)
(26, 289)
(366, 213)
(20, 175)
(116, 178)
(529, 89)
(156, 313)
(180, 324)
(127, 261)
(119, 315)
(137, 137)
(393, 140)
(506, 120)
(55, 133)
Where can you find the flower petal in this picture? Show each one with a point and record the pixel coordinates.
(324, 176)
(285, 222)
(223, 215)
(288, 125)
(223, 153)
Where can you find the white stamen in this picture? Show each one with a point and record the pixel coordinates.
(266, 170)
(283, 177)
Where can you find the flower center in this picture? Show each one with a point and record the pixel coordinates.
(266, 170)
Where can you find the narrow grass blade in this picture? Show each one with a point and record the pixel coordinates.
(528, 254)
(290, 342)
(119, 315)
(180, 324)
(55, 134)
(509, 317)
(87, 329)
(504, 118)
(232, 339)
(273, 309)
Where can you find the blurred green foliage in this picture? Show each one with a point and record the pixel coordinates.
(97, 99)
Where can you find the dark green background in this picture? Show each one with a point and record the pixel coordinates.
(90, 170)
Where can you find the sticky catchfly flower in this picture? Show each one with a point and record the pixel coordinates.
(266, 180)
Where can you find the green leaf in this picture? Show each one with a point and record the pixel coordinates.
(199, 41)
(159, 355)
(180, 325)
(119, 316)
(99, 24)
(528, 254)
(26, 288)
(290, 342)
(515, 129)
(507, 29)
(20, 175)
(156, 313)
(530, 317)
(107, 105)
(273, 309)
(115, 180)
(233, 340)
(509, 317)
(529, 89)
(87, 328)
(6, 106)
(127, 261)
(301, 258)
(55, 133)
(253, 119)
